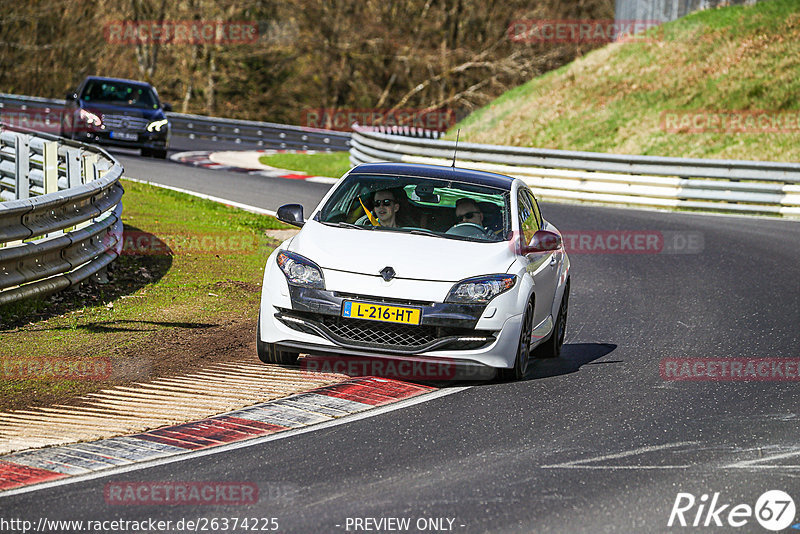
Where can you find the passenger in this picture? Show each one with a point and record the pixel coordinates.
(386, 207)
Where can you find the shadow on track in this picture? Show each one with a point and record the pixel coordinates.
(573, 357)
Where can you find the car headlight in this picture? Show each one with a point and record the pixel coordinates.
(156, 126)
(300, 271)
(481, 289)
(90, 118)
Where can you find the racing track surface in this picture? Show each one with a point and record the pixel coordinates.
(596, 441)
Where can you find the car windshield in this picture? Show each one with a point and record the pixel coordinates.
(441, 208)
(120, 93)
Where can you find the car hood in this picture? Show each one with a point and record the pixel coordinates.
(416, 257)
(128, 111)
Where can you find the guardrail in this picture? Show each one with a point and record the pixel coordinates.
(60, 221)
(44, 114)
(703, 184)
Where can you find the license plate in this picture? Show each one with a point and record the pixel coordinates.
(381, 312)
(124, 136)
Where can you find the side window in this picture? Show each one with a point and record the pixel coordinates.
(527, 217)
(536, 210)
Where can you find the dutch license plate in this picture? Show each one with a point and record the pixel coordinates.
(124, 136)
(381, 312)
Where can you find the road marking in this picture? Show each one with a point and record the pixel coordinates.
(580, 464)
(232, 203)
(750, 464)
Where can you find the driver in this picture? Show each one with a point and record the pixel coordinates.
(467, 211)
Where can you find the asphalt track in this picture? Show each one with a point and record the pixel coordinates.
(596, 441)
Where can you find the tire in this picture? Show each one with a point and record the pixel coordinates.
(523, 348)
(552, 347)
(146, 153)
(159, 154)
(269, 353)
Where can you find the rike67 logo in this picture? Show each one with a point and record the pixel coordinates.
(774, 510)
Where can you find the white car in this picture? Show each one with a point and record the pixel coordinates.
(407, 279)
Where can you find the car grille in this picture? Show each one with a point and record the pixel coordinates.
(124, 122)
(375, 333)
(387, 336)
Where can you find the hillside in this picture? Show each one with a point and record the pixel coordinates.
(647, 97)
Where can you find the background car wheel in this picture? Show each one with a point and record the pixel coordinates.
(523, 348)
(159, 154)
(268, 353)
(146, 153)
(552, 347)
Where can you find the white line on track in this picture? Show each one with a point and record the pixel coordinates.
(246, 207)
(581, 464)
(238, 445)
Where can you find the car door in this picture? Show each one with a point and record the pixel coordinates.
(541, 266)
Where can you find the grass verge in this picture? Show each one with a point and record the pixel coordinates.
(184, 293)
(333, 164)
(615, 99)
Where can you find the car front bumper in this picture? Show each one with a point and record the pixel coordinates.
(310, 321)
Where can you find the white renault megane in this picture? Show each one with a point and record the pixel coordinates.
(418, 262)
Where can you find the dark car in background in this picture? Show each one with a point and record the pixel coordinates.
(117, 112)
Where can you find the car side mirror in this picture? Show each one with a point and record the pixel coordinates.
(292, 214)
(166, 106)
(71, 96)
(543, 241)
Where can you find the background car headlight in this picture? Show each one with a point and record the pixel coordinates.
(156, 126)
(300, 271)
(90, 118)
(481, 289)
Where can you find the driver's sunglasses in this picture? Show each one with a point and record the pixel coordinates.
(385, 202)
(468, 215)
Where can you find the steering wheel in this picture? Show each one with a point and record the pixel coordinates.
(467, 229)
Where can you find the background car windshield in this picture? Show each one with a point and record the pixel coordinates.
(120, 93)
(424, 204)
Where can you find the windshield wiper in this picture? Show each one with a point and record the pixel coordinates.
(425, 232)
(343, 224)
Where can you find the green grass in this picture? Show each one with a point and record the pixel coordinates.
(333, 164)
(211, 278)
(741, 58)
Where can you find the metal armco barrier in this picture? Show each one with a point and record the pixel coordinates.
(703, 184)
(44, 114)
(60, 219)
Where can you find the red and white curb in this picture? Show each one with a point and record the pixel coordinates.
(205, 159)
(314, 407)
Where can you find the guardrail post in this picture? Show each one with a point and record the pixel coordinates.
(89, 169)
(50, 166)
(22, 167)
(74, 178)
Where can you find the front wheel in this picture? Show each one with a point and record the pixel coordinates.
(269, 353)
(552, 347)
(523, 348)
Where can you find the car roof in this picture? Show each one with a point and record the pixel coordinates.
(124, 80)
(469, 176)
